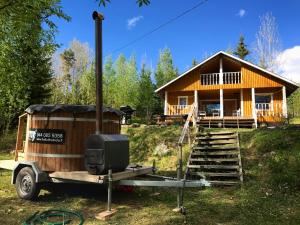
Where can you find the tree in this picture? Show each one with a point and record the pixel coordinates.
(146, 94)
(267, 45)
(241, 49)
(67, 76)
(165, 70)
(194, 62)
(126, 82)
(73, 63)
(26, 45)
(139, 2)
(109, 82)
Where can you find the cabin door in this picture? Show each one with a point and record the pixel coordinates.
(230, 105)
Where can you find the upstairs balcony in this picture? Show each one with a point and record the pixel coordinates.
(221, 78)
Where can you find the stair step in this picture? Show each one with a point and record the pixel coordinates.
(217, 148)
(219, 133)
(219, 142)
(211, 174)
(214, 160)
(217, 153)
(223, 182)
(217, 137)
(228, 167)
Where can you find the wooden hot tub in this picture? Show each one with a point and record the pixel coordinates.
(56, 134)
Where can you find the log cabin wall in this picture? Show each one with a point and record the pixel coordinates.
(251, 78)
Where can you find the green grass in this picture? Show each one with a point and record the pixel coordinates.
(295, 120)
(269, 195)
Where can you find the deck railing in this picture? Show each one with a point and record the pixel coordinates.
(179, 109)
(215, 78)
(269, 109)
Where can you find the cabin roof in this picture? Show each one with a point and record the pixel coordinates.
(235, 58)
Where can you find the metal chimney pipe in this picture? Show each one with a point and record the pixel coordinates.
(98, 17)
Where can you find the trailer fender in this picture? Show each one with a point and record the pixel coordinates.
(40, 176)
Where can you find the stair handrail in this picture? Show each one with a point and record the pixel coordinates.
(179, 157)
(186, 124)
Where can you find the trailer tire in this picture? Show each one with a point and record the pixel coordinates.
(26, 185)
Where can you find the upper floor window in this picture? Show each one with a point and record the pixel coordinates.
(183, 100)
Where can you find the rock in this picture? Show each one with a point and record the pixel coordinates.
(134, 125)
(161, 149)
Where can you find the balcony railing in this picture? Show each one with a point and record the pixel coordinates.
(268, 109)
(179, 109)
(216, 78)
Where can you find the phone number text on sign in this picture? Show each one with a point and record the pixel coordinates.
(47, 136)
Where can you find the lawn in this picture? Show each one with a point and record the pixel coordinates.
(269, 195)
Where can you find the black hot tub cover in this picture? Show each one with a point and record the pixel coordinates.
(68, 108)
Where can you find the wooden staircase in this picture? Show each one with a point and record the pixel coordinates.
(216, 157)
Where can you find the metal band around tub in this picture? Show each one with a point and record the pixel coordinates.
(71, 119)
(46, 155)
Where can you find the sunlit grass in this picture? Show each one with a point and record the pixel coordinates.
(270, 194)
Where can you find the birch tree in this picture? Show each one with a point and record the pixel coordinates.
(267, 44)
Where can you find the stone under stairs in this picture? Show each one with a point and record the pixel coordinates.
(216, 157)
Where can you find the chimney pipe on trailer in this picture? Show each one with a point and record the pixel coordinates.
(98, 71)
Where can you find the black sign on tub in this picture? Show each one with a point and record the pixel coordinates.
(47, 136)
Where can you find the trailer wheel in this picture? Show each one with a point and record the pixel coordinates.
(26, 186)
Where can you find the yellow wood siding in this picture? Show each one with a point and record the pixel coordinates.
(247, 101)
(251, 78)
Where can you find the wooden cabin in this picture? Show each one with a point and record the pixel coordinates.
(226, 88)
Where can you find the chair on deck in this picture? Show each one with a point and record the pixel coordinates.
(202, 114)
(236, 113)
(216, 112)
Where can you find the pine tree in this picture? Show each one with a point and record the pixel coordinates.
(145, 94)
(194, 62)
(68, 79)
(165, 70)
(241, 49)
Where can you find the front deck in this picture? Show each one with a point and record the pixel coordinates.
(210, 121)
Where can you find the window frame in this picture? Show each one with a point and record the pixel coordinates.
(183, 97)
(265, 94)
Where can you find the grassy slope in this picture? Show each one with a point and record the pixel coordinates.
(270, 194)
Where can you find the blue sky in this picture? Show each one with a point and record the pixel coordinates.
(214, 26)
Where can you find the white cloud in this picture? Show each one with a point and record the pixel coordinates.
(132, 22)
(241, 13)
(289, 63)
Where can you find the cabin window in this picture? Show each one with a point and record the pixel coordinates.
(263, 101)
(183, 100)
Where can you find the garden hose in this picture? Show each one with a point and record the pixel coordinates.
(54, 217)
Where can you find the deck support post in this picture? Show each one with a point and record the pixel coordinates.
(109, 190)
(242, 103)
(284, 104)
(179, 177)
(166, 103)
(254, 115)
(196, 107)
(221, 71)
(221, 103)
